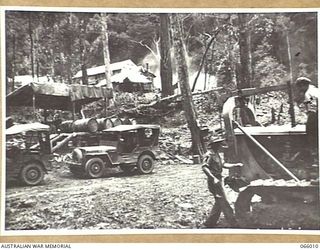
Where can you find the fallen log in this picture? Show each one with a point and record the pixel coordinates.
(161, 107)
(176, 97)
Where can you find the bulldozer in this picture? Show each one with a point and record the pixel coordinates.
(278, 184)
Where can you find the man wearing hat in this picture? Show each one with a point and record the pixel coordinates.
(212, 167)
(305, 92)
(308, 94)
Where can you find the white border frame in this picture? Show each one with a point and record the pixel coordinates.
(4, 232)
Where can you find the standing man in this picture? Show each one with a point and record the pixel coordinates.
(212, 167)
(308, 94)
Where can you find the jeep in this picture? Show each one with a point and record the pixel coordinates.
(28, 153)
(129, 147)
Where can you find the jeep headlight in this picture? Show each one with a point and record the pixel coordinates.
(77, 155)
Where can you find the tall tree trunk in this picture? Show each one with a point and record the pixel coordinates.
(205, 67)
(83, 53)
(252, 72)
(203, 60)
(31, 45)
(290, 90)
(13, 62)
(231, 65)
(36, 53)
(106, 54)
(198, 147)
(84, 74)
(244, 70)
(53, 53)
(69, 54)
(165, 59)
(69, 71)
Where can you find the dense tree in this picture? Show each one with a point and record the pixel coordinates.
(17, 44)
(62, 42)
(67, 33)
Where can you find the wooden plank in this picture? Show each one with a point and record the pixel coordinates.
(63, 142)
(184, 160)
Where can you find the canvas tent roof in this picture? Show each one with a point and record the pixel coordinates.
(20, 128)
(56, 95)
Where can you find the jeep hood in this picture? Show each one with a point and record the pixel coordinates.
(97, 149)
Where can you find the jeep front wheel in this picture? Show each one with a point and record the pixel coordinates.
(32, 174)
(145, 164)
(94, 168)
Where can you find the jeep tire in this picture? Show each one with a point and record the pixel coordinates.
(32, 174)
(145, 164)
(94, 168)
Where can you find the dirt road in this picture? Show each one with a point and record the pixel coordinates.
(172, 197)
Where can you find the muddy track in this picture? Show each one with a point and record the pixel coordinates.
(172, 197)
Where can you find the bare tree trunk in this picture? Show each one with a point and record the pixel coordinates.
(68, 55)
(36, 53)
(13, 62)
(106, 54)
(290, 90)
(244, 72)
(205, 67)
(250, 58)
(198, 147)
(53, 53)
(31, 46)
(165, 60)
(83, 53)
(212, 39)
(84, 74)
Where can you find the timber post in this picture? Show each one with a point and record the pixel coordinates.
(34, 105)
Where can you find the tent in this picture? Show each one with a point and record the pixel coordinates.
(21, 128)
(56, 96)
